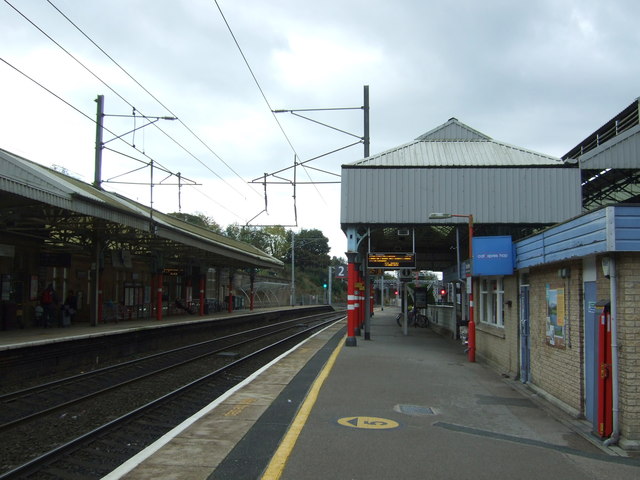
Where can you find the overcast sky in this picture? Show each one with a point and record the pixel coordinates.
(541, 75)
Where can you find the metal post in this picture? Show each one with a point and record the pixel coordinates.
(97, 174)
(356, 299)
(329, 283)
(367, 305)
(405, 318)
(293, 276)
(201, 293)
(159, 295)
(230, 302)
(472, 325)
(351, 313)
(366, 138)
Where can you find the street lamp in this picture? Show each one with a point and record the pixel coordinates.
(471, 353)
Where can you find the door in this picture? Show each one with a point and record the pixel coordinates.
(590, 353)
(524, 333)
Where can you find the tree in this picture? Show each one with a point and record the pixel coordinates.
(311, 249)
(199, 219)
(255, 236)
(277, 241)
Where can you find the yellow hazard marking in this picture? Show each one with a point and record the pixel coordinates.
(279, 460)
(237, 410)
(368, 422)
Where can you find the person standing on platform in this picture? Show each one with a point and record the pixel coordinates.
(49, 301)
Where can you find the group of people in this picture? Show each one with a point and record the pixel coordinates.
(49, 313)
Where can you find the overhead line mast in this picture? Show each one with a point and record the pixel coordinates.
(365, 140)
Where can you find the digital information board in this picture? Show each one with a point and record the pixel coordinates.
(391, 261)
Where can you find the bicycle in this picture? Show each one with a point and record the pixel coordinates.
(421, 321)
(413, 319)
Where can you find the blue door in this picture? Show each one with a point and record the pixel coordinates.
(524, 333)
(591, 353)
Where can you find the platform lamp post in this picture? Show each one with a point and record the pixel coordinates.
(471, 353)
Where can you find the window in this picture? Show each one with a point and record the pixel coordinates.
(492, 301)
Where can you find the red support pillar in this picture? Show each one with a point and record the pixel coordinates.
(100, 299)
(605, 390)
(159, 296)
(361, 305)
(230, 302)
(202, 284)
(356, 301)
(251, 292)
(372, 297)
(351, 313)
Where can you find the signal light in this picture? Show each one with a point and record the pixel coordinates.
(443, 292)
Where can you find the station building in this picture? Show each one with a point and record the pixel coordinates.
(555, 256)
(120, 258)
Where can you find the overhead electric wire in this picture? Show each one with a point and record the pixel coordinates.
(89, 118)
(93, 120)
(83, 66)
(161, 103)
(155, 162)
(255, 79)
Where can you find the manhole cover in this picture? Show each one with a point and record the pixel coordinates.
(415, 410)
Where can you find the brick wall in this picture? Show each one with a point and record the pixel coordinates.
(628, 305)
(557, 369)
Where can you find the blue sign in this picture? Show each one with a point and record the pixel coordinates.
(492, 256)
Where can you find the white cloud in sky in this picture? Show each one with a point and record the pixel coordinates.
(541, 75)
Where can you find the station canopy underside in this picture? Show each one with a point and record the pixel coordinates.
(59, 214)
(436, 246)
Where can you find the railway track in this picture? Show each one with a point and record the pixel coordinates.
(86, 425)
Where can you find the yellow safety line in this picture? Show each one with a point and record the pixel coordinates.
(276, 466)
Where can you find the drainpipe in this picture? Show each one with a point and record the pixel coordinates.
(615, 434)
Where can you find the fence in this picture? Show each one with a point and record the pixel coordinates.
(442, 319)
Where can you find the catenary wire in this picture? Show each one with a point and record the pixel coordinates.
(255, 79)
(72, 56)
(94, 121)
(158, 101)
(155, 162)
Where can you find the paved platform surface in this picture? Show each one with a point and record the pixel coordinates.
(393, 407)
(454, 420)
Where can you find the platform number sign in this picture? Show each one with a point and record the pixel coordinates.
(341, 271)
(374, 423)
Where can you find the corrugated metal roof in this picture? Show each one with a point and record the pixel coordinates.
(453, 130)
(30, 180)
(457, 154)
(621, 151)
(440, 148)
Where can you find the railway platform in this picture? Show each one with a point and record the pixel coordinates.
(18, 338)
(395, 406)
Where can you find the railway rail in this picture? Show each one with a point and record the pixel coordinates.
(85, 425)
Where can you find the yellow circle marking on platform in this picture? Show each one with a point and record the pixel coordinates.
(368, 422)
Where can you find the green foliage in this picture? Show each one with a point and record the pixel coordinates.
(311, 253)
(199, 219)
(311, 249)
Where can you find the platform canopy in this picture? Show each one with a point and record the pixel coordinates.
(60, 213)
(388, 198)
(610, 160)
